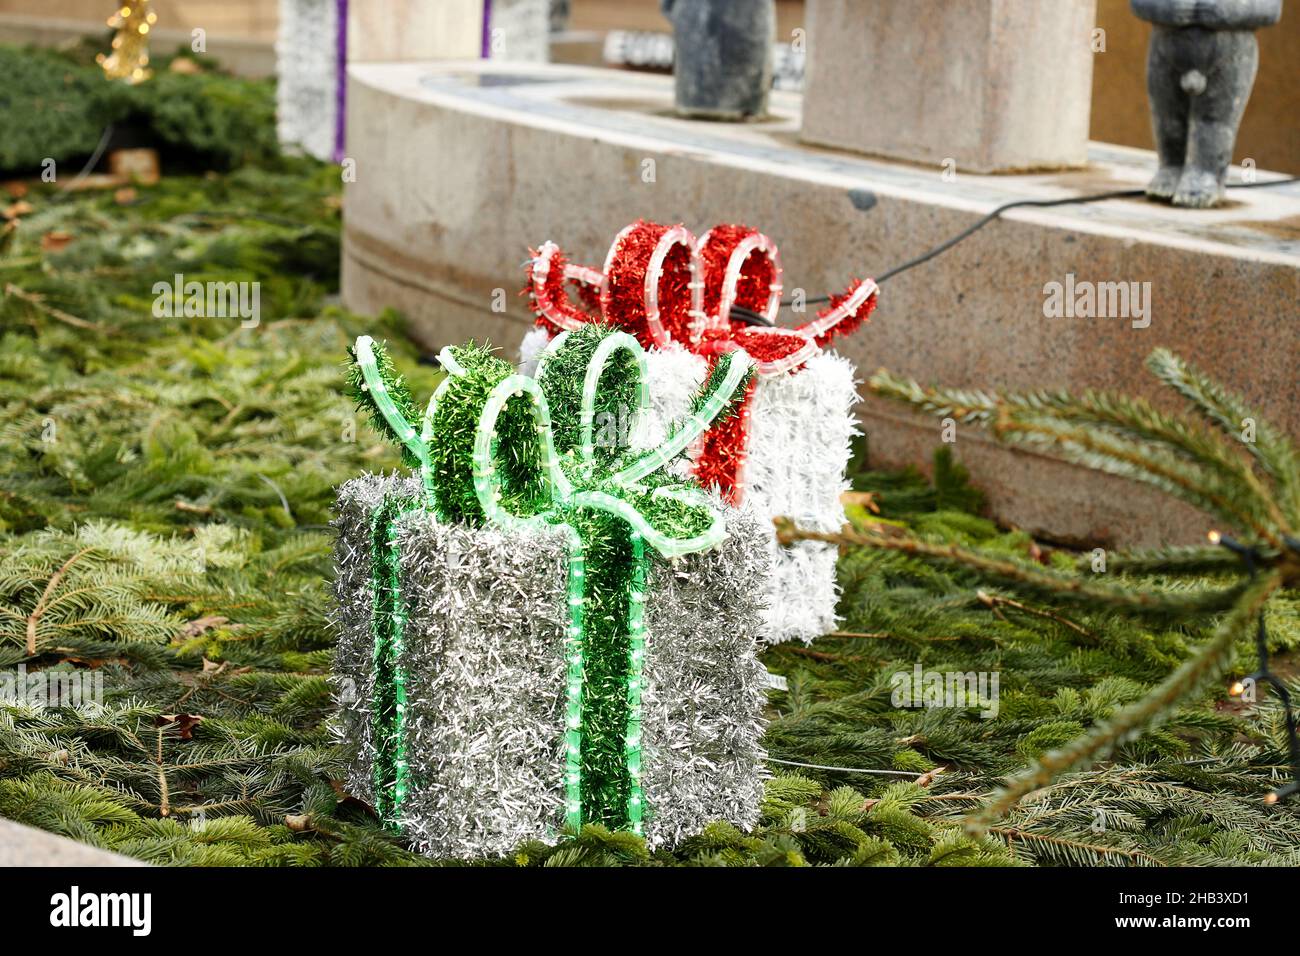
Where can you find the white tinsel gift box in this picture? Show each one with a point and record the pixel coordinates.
(787, 453)
(483, 667)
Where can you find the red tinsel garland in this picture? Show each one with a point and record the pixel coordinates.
(721, 461)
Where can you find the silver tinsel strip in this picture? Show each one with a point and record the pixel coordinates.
(486, 612)
(484, 656)
(705, 688)
(354, 673)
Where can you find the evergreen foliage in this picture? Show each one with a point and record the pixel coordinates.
(57, 105)
(52, 108)
(180, 472)
(1210, 466)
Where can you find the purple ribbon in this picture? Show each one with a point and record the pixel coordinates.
(341, 81)
(487, 29)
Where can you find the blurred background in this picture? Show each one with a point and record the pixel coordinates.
(243, 35)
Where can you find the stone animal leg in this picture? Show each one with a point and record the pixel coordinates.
(1169, 109)
(1215, 115)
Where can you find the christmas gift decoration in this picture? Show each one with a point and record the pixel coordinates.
(786, 452)
(546, 628)
(311, 83)
(129, 60)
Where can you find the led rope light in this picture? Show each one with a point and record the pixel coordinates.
(388, 623)
(377, 390)
(636, 656)
(400, 767)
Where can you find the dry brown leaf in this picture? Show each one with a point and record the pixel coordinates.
(202, 625)
(185, 723)
(56, 241)
(347, 800)
(94, 181)
(16, 188)
(866, 499)
(94, 662)
(928, 778)
(20, 208)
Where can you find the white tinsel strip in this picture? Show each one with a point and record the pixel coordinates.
(800, 433)
(306, 52)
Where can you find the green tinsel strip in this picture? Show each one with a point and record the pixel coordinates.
(615, 568)
(605, 784)
(397, 391)
(714, 382)
(563, 383)
(388, 621)
(454, 422)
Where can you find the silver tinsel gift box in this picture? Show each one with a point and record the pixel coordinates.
(484, 678)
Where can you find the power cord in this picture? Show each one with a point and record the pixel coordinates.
(750, 317)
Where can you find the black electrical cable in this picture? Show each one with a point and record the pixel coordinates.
(753, 318)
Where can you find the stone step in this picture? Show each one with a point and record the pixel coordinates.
(22, 845)
(461, 167)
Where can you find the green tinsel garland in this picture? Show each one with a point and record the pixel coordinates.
(390, 681)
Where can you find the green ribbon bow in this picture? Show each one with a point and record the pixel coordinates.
(517, 451)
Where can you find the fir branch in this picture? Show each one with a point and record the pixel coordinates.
(397, 391)
(1191, 676)
(34, 618)
(1274, 451)
(1027, 579)
(1113, 433)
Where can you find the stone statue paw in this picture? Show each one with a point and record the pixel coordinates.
(1165, 182)
(1198, 189)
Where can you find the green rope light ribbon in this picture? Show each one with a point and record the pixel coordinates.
(388, 623)
(514, 451)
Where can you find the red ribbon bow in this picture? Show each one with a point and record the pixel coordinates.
(663, 286)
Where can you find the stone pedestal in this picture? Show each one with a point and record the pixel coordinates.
(385, 30)
(971, 85)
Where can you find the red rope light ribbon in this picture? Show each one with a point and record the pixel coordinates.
(663, 286)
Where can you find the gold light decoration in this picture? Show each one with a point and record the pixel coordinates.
(129, 60)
